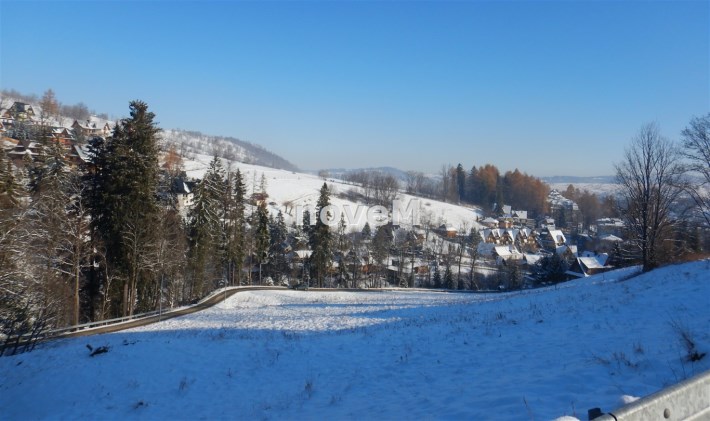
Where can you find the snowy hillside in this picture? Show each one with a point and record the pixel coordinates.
(193, 143)
(538, 354)
(289, 189)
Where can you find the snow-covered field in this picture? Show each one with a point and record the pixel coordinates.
(301, 189)
(537, 354)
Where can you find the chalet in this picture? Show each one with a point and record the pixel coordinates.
(24, 150)
(610, 226)
(546, 223)
(182, 189)
(497, 236)
(565, 210)
(590, 265)
(506, 254)
(525, 236)
(92, 127)
(77, 156)
(551, 239)
(490, 222)
(505, 223)
(19, 111)
(62, 136)
(448, 231)
(567, 252)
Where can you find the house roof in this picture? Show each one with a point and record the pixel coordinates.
(507, 252)
(611, 238)
(593, 262)
(521, 214)
(532, 258)
(562, 249)
(558, 236)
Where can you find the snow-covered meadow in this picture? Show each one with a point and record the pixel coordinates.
(302, 189)
(536, 354)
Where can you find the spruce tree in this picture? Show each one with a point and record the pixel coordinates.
(367, 231)
(123, 200)
(449, 281)
(261, 235)
(205, 230)
(278, 231)
(437, 277)
(235, 232)
(321, 238)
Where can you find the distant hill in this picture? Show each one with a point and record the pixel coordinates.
(570, 179)
(191, 143)
(601, 185)
(341, 172)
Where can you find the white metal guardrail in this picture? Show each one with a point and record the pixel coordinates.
(687, 400)
(120, 323)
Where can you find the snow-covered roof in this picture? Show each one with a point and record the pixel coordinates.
(507, 252)
(532, 258)
(558, 236)
(562, 249)
(591, 262)
(611, 238)
(521, 214)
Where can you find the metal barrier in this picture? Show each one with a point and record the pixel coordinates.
(687, 400)
(121, 323)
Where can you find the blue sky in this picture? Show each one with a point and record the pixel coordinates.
(551, 88)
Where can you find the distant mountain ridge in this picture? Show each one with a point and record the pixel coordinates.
(571, 179)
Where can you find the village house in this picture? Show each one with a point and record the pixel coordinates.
(91, 128)
(610, 226)
(565, 211)
(507, 254)
(63, 137)
(22, 151)
(18, 111)
(552, 239)
(590, 265)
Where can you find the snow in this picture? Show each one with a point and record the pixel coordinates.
(282, 354)
(302, 189)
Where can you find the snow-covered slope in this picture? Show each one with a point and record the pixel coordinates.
(535, 354)
(289, 189)
(193, 143)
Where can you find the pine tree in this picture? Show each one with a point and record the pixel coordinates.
(449, 281)
(261, 235)
(321, 238)
(437, 277)
(367, 231)
(10, 189)
(475, 239)
(461, 182)
(278, 231)
(123, 200)
(235, 232)
(205, 230)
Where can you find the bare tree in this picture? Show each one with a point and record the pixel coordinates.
(696, 144)
(650, 177)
